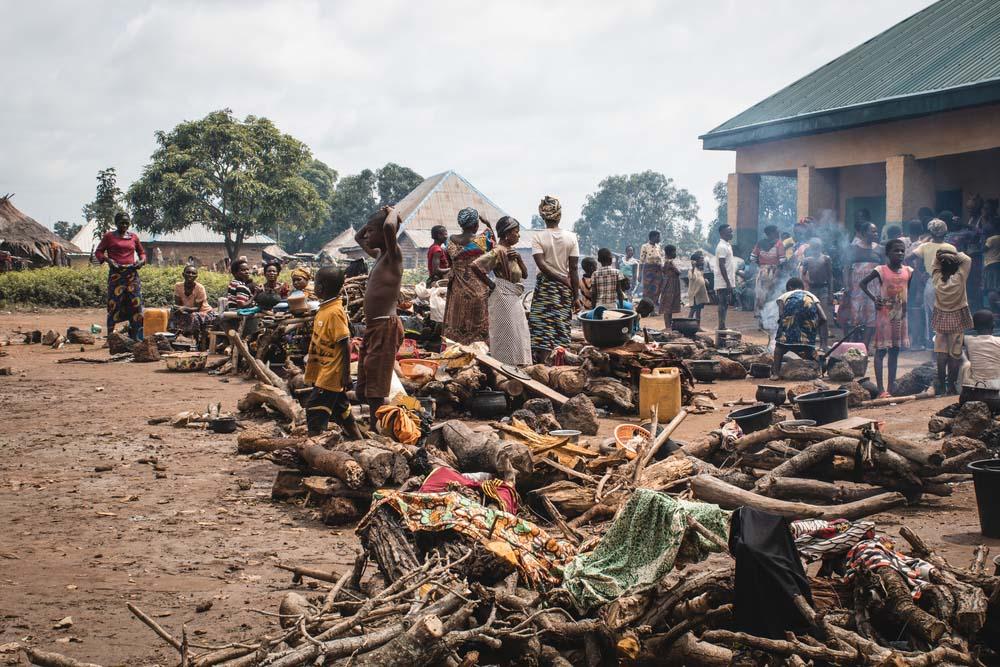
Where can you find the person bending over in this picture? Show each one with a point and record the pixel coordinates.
(800, 319)
(328, 364)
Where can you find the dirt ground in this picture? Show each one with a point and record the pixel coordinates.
(172, 524)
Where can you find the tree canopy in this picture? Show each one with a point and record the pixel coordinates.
(395, 182)
(239, 178)
(625, 208)
(303, 234)
(66, 230)
(107, 201)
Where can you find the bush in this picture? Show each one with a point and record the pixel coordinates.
(88, 287)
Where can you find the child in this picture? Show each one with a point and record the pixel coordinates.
(800, 318)
(607, 282)
(383, 329)
(697, 288)
(328, 365)
(951, 316)
(589, 266)
(670, 297)
(890, 315)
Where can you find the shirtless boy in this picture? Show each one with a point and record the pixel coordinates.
(383, 329)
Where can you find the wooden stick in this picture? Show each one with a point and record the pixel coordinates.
(699, 528)
(45, 659)
(153, 625)
(658, 442)
(568, 470)
(560, 521)
(299, 572)
(260, 371)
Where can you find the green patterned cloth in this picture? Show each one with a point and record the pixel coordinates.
(642, 545)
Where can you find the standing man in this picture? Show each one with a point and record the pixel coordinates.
(383, 329)
(629, 266)
(727, 271)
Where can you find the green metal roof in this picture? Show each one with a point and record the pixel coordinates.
(944, 57)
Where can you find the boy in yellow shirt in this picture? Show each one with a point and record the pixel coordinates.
(328, 365)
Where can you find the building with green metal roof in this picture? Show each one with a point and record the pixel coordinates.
(908, 119)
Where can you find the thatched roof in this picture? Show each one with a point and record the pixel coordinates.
(23, 237)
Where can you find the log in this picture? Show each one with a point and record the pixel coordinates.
(273, 397)
(899, 603)
(709, 489)
(298, 572)
(789, 646)
(329, 487)
(789, 488)
(389, 544)
(571, 498)
(510, 386)
(336, 463)
(703, 448)
(338, 510)
(255, 445)
(45, 659)
(419, 645)
(379, 464)
(293, 607)
(660, 438)
(957, 464)
(904, 448)
(822, 451)
(486, 452)
(939, 424)
(689, 651)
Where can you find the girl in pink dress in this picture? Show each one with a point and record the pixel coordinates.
(890, 310)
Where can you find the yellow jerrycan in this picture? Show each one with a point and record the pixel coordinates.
(154, 320)
(662, 388)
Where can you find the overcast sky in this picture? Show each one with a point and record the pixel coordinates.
(522, 98)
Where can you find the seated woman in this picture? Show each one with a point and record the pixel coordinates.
(242, 288)
(302, 282)
(800, 318)
(271, 284)
(191, 313)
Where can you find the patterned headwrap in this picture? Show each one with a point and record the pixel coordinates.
(505, 224)
(468, 217)
(937, 227)
(302, 272)
(550, 209)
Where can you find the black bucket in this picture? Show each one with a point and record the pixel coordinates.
(823, 407)
(986, 478)
(754, 418)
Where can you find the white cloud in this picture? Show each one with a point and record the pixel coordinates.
(522, 98)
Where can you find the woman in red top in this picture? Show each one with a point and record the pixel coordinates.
(120, 250)
(438, 262)
(767, 254)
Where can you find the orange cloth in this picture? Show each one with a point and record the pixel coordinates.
(326, 361)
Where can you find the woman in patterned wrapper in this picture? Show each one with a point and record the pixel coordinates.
(466, 318)
(510, 338)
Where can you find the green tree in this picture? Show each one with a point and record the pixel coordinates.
(107, 202)
(66, 230)
(626, 207)
(237, 177)
(353, 201)
(394, 182)
(302, 234)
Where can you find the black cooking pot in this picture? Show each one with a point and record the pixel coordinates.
(771, 393)
(608, 333)
(980, 392)
(487, 404)
(687, 326)
(760, 371)
(754, 418)
(823, 406)
(223, 425)
(704, 370)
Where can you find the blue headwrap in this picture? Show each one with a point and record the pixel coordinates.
(468, 217)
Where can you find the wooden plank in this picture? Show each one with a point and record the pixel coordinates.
(533, 385)
(849, 423)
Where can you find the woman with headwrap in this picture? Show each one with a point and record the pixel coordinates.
(466, 318)
(301, 281)
(509, 334)
(556, 253)
(124, 255)
(651, 268)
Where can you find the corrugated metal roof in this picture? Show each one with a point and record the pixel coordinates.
(439, 198)
(951, 45)
(195, 233)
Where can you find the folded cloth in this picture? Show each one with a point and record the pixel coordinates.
(649, 535)
(537, 555)
(881, 552)
(400, 423)
(816, 539)
(496, 490)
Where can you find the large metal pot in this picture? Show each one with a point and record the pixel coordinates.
(980, 392)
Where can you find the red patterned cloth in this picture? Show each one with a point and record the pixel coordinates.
(441, 479)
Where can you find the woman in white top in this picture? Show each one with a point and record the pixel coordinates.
(556, 253)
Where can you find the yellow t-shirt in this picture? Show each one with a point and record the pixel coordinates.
(325, 365)
(927, 252)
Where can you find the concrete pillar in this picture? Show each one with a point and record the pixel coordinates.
(816, 191)
(743, 209)
(909, 184)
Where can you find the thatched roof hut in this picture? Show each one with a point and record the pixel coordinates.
(29, 241)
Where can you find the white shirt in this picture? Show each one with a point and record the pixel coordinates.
(725, 251)
(984, 359)
(556, 246)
